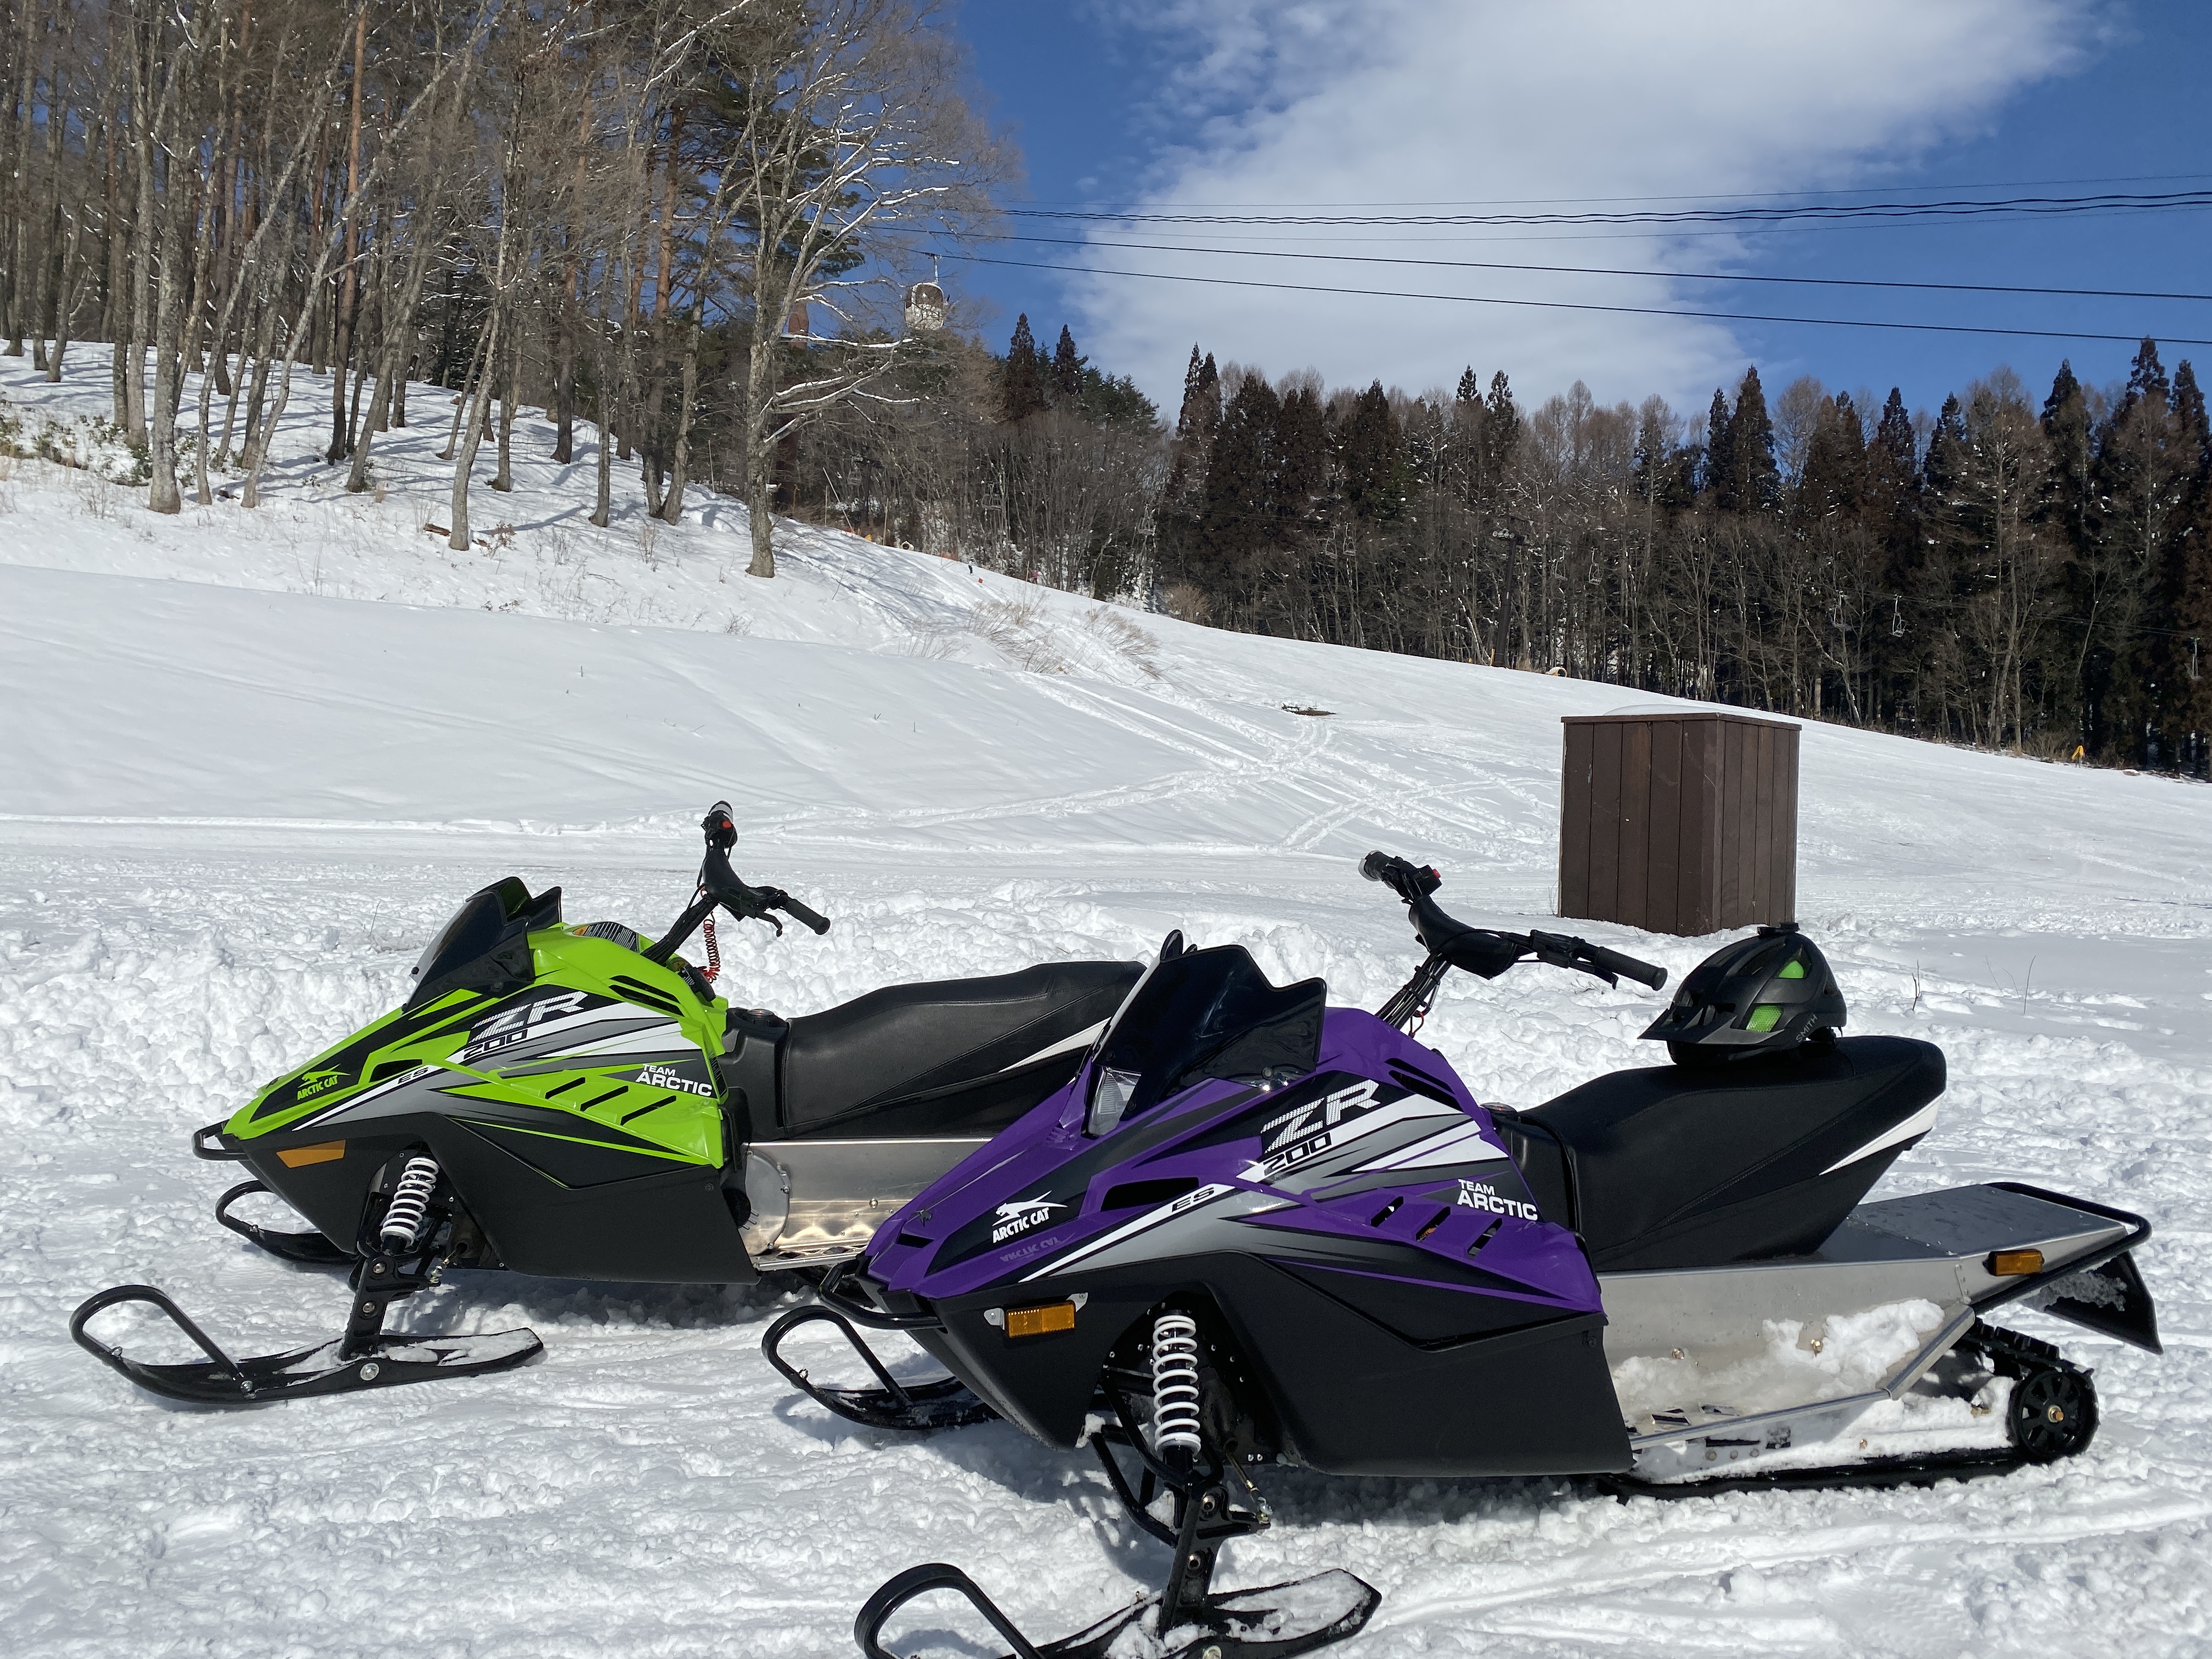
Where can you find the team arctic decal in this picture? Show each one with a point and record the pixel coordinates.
(665, 1077)
(1484, 1195)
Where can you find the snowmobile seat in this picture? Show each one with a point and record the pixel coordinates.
(1676, 1167)
(949, 1056)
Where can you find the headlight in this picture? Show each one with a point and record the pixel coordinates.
(1110, 1091)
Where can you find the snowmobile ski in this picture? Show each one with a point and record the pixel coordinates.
(1188, 1617)
(333, 1367)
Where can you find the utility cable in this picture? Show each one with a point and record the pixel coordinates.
(1578, 305)
(1609, 271)
(1841, 212)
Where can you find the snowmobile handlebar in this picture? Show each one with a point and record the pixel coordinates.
(721, 886)
(1486, 952)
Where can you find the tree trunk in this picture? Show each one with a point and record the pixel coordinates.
(503, 476)
(177, 221)
(603, 505)
(672, 508)
(564, 379)
(350, 291)
(477, 399)
(760, 456)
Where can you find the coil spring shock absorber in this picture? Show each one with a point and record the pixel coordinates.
(402, 1227)
(1174, 1386)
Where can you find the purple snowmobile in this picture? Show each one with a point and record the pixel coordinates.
(1256, 1229)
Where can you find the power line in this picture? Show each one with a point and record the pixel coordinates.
(1835, 213)
(1722, 196)
(1608, 270)
(1573, 305)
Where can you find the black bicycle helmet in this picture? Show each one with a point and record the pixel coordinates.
(1762, 995)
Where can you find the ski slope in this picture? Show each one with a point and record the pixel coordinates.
(249, 761)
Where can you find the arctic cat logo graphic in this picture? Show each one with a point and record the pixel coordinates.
(1481, 1195)
(661, 1077)
(1016, 1219)
(1317, 1115)
(513, 1026)
(317, 1083)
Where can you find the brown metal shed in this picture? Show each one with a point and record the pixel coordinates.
(1679, 824)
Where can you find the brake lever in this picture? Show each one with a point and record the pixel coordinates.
(1561, 950)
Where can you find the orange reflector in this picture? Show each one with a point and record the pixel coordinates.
(322, 1152)
(2014, 1264)
(1038, 1321)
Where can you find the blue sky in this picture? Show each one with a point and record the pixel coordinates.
(1178, 102)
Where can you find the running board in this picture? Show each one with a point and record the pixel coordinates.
(1719, 1437)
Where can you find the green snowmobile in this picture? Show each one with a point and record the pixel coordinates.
(575, 1102)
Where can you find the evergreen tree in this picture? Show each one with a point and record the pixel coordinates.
(1891, 499)
(1501, 431)
(1182, 504)
(1752, 482)
(1835, 465)
(1720, 453)
(1201, 399)
(2144, 478)
(1302, 462)
(2186, 670)
(1066, 375)
(1243, 506)
(1021, 387)
(2146, 380)
(1371, 450)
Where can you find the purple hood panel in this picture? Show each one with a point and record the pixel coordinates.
(1376, 1164)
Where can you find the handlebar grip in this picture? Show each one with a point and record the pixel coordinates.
(1613, 961)
(1409, 881)
(797, 912)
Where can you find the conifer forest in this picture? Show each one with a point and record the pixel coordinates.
(694, 228)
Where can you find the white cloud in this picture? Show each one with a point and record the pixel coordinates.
(1375, 101)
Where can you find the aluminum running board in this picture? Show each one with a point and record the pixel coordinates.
(1935, 1247)
(1718, 1438)
(815, 1203)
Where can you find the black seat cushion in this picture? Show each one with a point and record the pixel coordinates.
(1673, 1167)
(939, 1039)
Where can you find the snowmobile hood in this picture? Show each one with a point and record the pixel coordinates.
(1319, 1155)
(566, 978)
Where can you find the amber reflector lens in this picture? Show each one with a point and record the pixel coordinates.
(2012, 1264)
(321, 1152)
(1036, 1322)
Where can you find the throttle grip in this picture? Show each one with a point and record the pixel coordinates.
(1614, 961)
(797, 912)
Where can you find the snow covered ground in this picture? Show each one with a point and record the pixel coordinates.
(248, 761)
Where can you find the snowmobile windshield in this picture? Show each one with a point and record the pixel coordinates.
(1204, 1014)
(484, 945)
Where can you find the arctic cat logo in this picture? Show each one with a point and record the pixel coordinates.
(1481, 1195)
(1315, 1116)
(662, 1077)
(513, 1026)
(317, 1083)
(1016, 1219)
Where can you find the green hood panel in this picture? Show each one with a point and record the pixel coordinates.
(457, 1048)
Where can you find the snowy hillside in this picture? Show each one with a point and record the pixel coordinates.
(250, 759)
